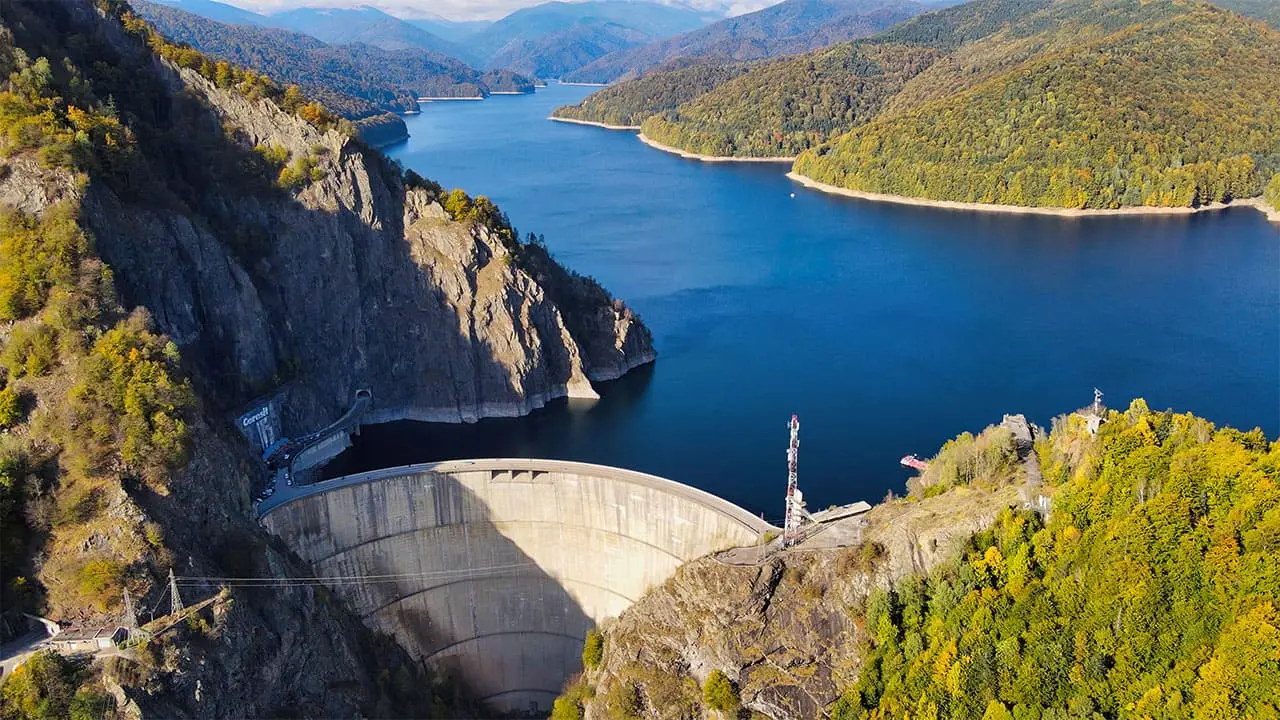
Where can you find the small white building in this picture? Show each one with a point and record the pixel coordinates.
(74, 641)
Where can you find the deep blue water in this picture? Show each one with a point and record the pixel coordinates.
(887, 328)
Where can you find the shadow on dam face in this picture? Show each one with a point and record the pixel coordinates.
(494, 570)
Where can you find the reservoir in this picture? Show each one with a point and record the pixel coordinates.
(887, 328)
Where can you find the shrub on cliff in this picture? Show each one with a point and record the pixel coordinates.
(593, 649)
(719, 693)
(127, 409)
(989, 457)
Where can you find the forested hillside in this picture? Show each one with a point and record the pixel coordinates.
(783, 108)
(1145, 587)
(1151, 590)
(632, 101)
(385, 80)
(789, 27)
(1074, 103)
(1199, 122)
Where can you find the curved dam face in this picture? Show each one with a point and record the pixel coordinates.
(495, 569)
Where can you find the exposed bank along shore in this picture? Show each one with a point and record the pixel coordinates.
(710, 158)
(606, 126)
(1256, 203)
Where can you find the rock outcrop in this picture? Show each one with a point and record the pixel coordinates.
(348, 277)
(788, 630)
(356, 281)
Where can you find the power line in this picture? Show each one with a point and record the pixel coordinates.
(188, 581)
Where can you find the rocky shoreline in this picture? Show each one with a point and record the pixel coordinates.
(606, 126)
(812, 184)
(711, 158)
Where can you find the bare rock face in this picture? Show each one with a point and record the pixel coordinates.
(352, 281)
(359, 282)
(787, 631)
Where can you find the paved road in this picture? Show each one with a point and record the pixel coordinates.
(16, 652)
(287, 494)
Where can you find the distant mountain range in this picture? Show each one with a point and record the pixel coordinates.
(554, 38)
(356, 80)
(790, 27)
(546, 40)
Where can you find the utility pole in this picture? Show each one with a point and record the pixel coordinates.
(173, 592)
(795, 499)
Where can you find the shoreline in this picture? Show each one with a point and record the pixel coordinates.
(812, 184)
(577, 84)
(710, 158)
(437, 99)
(606, 126)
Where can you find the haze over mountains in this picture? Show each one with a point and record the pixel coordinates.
(790, 27)
(546, 40)
(356, 79)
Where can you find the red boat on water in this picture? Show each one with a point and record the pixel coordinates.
(912, 461)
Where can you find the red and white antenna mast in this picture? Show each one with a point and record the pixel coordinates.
(795, 499)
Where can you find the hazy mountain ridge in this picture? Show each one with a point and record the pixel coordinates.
(384, 80)
(789, 27)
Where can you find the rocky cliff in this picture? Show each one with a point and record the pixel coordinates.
(354, 281)
(359, 281)
(787, 627)
(278, 254)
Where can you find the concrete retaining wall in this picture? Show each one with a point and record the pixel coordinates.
(497, 568)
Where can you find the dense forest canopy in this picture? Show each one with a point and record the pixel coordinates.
(630, 102)
(1199, 122)
(1074, 103)
(1150, 591)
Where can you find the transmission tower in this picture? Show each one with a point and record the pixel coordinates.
(130, 620)
(796, 513)
(173, 592)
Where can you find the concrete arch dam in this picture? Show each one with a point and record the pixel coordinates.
(496, 569)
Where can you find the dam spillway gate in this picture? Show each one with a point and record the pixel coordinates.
(496, 569)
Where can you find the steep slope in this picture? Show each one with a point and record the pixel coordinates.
(386, 80)
(555, 54)
(784, 107)
(645, 18)
(1180, 137)
(365, 24)
(175, 244)
(792, 26)
(221, 12)
(453, 31)
(1265, 10)
(553, 38)
(962, 603)
(630, 102)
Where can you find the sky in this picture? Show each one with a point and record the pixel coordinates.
(472, 9)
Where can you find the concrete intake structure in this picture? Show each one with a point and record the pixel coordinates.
(496, 569)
